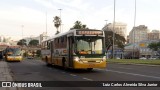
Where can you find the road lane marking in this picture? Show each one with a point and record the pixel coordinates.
(134, 74)
(73, 75)
(128, 68)
(98, 69)
(137, 64)
(88, 79)
(30, 63)
(124, 68)
(134, 69)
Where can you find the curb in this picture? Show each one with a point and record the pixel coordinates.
(135, 64)
(6, 75)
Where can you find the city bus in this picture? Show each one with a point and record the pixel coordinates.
(13, 53)
(77, 49)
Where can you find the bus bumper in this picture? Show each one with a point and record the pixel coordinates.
(81, 65)
(14, 59)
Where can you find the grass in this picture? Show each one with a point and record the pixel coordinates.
(134, 61)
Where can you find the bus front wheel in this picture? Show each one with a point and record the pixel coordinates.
(63, 63)
(89, 69)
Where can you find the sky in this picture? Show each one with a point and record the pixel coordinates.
(33, 14)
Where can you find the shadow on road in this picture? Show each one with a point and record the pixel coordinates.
(72, 70)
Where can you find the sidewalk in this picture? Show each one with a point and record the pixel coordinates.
(5, 75)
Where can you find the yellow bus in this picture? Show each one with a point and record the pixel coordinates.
(77, 49)
(13, 53)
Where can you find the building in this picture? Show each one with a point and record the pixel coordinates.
(5, 40)
(139, 49)
(127, 39)
(154, 35)
(42, 37)
(120, 28)
(138, 34)
(1, 38)
(28, 39)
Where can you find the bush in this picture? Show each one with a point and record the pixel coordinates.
(38, 53)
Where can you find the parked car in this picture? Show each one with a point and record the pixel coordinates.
(118, 58)
(152, 58)
(143, 58)
(29, 57)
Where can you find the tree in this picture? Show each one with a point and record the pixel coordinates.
(57, 32)
(79, 25)
(57, 23)
(21, 42)
(38, 52)
(118, 40)
(155, 47)
(4, 39)
(34, 42)
(84, 26)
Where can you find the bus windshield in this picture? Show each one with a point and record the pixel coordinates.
(89, 45)
(14, 51)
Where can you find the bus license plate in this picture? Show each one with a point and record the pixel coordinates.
(91, 65)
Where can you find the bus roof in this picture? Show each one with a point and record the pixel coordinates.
(14, 46)
(72, 31)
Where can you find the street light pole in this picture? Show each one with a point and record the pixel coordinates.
(22, 30)
(135, 14)
(106, 23)
(113, 28)
(22, 34)
(135, 6)
(46, 22)
(60, 18)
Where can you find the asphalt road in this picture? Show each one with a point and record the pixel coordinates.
(36, 70)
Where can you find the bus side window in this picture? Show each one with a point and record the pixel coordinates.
(48, 45)
(62, 39)
(62, 42)
(45, 45)
(72, 39)
(56, 42)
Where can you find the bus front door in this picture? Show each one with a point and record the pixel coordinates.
(70, 51)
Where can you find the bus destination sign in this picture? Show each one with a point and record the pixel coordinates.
(82, 32)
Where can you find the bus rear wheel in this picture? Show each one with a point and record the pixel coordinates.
(47, 64)
(63, 63)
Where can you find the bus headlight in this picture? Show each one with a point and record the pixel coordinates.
(9, 57)
(19, 56)
(76, 58)
(104, 58)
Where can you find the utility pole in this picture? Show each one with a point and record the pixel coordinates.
(46, 22)
(22, 30)
(60, 18)
(113, 29)
(22, 35)
(135, 7)
(106, 23)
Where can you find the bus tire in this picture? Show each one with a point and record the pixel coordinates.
(63, 62)
(47, 62)
(89, 69)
